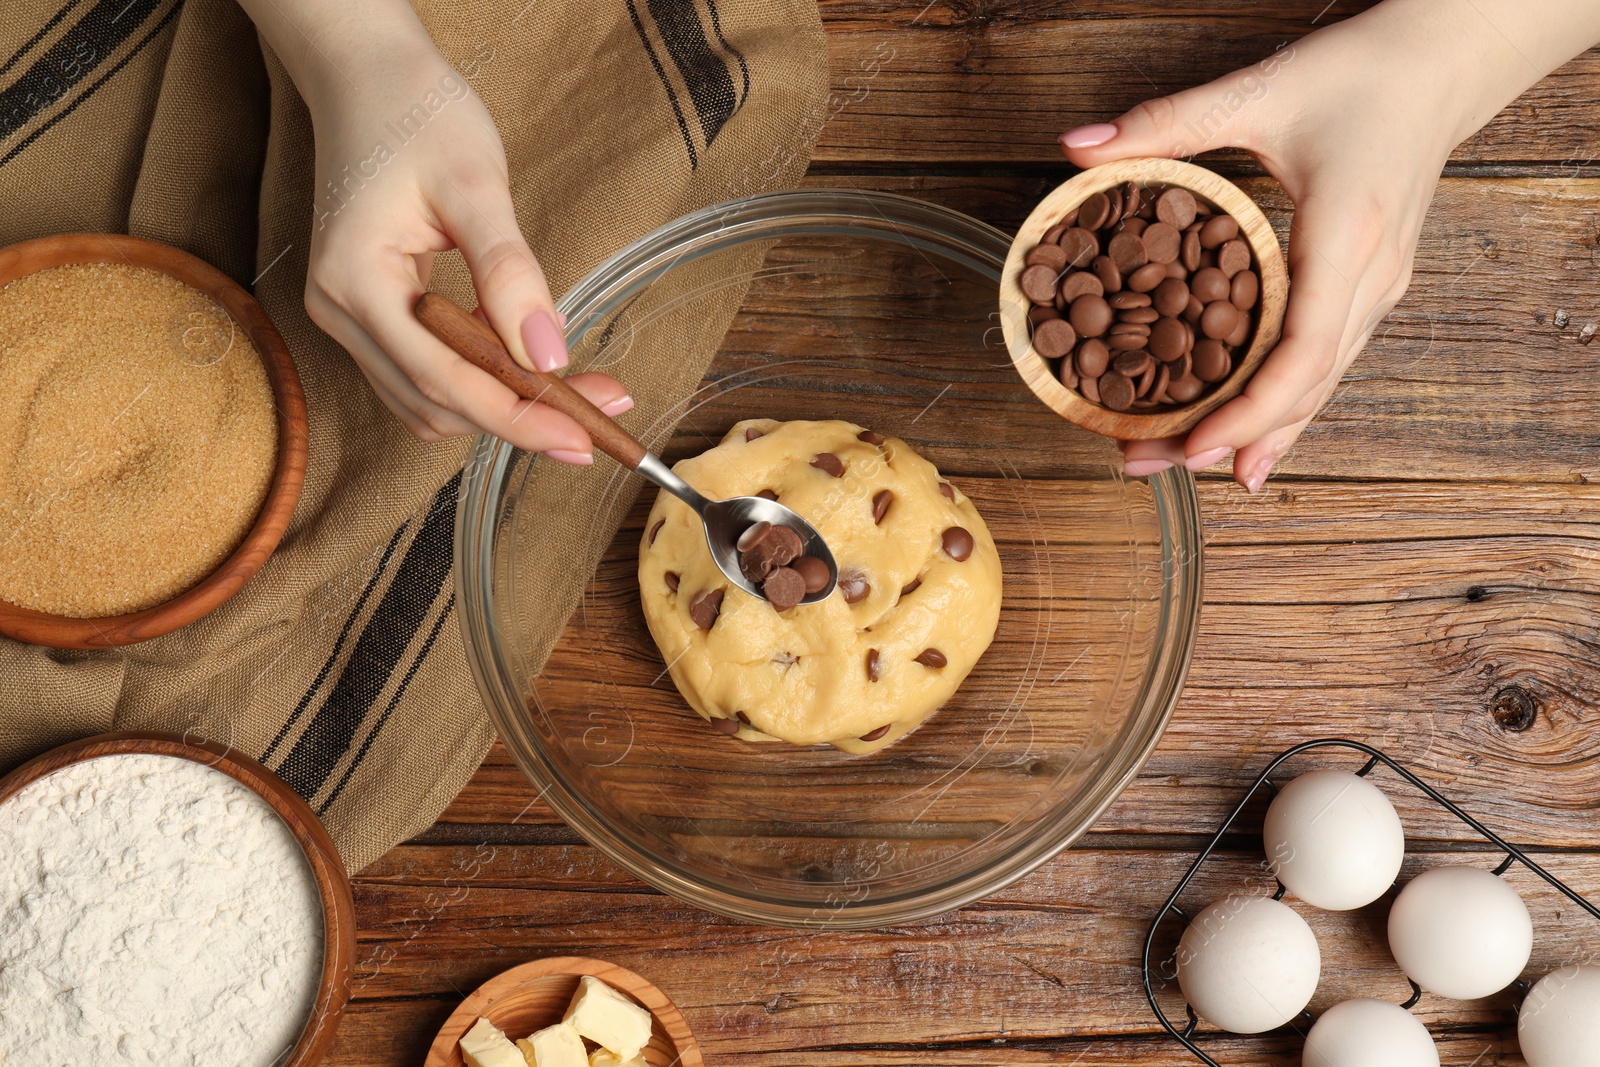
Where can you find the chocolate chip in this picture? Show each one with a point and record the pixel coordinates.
(1209, 285)
(1127, 251)
(755, 565)
(1190, 255)
(1046, 255)
(1131, 200)
(784, 588)
(705, 607)
(1080, 283)
(1055, 338)
(671, 578)
(1092, 359)
(751, 433)
(1218, 231)
(1132, 364)
(880, 505)
(1116, 392)
(947, 490)
(853, 586)
(1081, 247)
(911, 587)
(1106, 273)
(1211, 362)
(931, 657)
(787, 545)
(1245, 290)
(1090, 315)
(1176, 207)
(813, 571)
(1145, 315)
(1126, 300)
(1219, 319)
(1095, 211)
(1168, 339)
(827, 461)
(878, 733)
(1162, 242)
(767, 494)
(1038, 284)
(742, 717)
(1233, 257)
(655, 530)
(1147, 277)
(869, 437)
(1184, 389)
(725, 726)
(1171, 297)
(957, 543)
(872, 665)
(754, 535)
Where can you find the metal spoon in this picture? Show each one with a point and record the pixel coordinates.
(724, 520)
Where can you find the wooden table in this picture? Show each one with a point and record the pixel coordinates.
(1424, 573)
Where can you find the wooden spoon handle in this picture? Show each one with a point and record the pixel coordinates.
(478, 344)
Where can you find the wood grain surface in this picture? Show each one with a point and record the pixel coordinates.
(1423, 574)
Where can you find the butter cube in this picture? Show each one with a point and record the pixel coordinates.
(601, 1057)
(609, 1019)
(554, 1046)
(485, 1046)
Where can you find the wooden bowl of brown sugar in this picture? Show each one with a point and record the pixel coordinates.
(153, 439)
(1095, 329)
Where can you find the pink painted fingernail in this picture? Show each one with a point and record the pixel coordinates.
(1258, 476)
(542, 338)
(1138, 468)
(1201, 460)
(566, 455)
(1089, 136)
(618, 406)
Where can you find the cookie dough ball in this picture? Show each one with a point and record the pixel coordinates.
(917, 603)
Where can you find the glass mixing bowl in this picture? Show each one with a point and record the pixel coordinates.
(881, 310)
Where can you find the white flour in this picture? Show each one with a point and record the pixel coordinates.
(152, 911)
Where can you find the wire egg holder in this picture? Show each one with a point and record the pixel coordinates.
(1185, 1034)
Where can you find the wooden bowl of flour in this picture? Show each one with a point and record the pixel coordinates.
(283, 492)
(332, 883)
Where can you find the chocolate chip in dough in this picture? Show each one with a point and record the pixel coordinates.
(931, 657)
(853, 586)
(827, 461)
(655, 530)
(813, 571)
(869, 437)
(880, 505)
(957, 543)
(705, 607)
(767, 494)
(948, 491)
(784, 588)
(872, 665)
(672, 580)
(876, 734)
(725, 726)
(911, 587)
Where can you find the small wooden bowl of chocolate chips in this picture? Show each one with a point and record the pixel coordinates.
(1141, 295)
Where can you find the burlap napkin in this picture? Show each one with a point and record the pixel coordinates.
(340, 664)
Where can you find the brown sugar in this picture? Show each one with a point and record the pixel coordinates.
(137, 439)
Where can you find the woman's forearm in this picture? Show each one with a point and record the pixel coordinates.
(327, 48)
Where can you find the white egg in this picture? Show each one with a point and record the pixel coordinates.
(1334, 840)
(1559, 1023)
(1248, 964)
(1460, 932)
(1369, 1033)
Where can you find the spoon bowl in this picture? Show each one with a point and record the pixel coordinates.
(724, 520)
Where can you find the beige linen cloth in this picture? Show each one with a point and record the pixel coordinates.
(340, 663)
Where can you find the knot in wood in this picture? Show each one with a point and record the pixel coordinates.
(1514, 708)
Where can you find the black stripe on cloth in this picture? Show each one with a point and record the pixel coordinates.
(704, 72)
(338, 644)
(389, 632)
(87, 93)
(32, 42)
(86, 45)
(394, 702)
(672, 94)
(744, 68)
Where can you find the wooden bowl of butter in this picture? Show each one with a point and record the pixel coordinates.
(566, 1011)
(153, 439)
